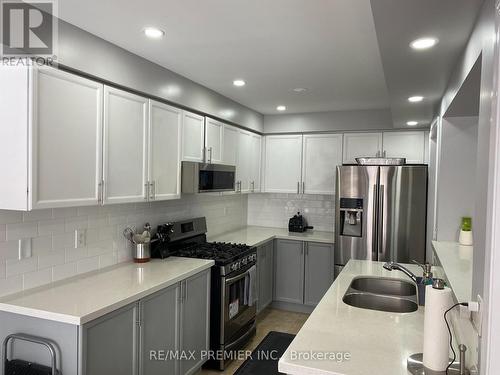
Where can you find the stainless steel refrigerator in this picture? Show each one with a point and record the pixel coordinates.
(380, 213)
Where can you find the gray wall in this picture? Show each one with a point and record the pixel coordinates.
(481, 43)
(377, 119)
(456, 179)
(87, 53)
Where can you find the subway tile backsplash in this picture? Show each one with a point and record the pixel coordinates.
(274, 210)
(52, 235)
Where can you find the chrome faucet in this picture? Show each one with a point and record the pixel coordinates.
(389, 266)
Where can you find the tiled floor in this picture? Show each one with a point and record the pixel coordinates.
(268, 320)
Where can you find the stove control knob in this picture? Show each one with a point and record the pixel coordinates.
(244, 261)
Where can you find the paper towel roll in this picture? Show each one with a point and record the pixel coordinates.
(436, 336)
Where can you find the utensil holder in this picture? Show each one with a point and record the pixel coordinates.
(142, 252)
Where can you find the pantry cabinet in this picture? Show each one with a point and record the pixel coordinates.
(283, 164)
(303, 271)
(124, 147)
(321, 153)
(409, 145)
(361, 145)
(164, 152)
(193, 137)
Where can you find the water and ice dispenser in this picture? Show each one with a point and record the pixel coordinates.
(351, 217)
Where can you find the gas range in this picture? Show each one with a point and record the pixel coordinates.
(233, 285)
(228, 256)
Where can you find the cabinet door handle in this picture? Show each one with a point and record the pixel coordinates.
(99, 188)
(147, 189)
(210, 155)
(185, 291)
(303, 187)
(152, 190)
(102, 191)
(298, 187)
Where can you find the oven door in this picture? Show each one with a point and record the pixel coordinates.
(236, 312)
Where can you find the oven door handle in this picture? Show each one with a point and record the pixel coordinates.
(236, 278)
(241, 339)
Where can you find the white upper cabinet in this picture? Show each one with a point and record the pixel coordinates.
(283, 163)
(230, 145)
(255, 162)
(361, 145)
(125, 146)
(193, 137)
(243, 162)
(321, 154)
(50, 134)
(214, 140)
(67, 130)
(164, 156)
(405, 144)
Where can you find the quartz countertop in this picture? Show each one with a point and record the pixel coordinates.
(456, 261)
(377, 342)
(84, 298)
(255, 235)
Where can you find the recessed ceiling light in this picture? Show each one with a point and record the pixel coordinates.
(423, 43)
(239, 82)
(415, 99)
(281, 108)
(412, 123)
(153, 32)
(299, 89)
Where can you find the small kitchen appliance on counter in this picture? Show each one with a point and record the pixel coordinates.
(298, 223)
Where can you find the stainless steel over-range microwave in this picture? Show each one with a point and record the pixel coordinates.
(206, 178)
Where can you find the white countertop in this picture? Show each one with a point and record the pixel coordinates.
(378, 342)
(84, 298)
(255, 236)
(456, 261)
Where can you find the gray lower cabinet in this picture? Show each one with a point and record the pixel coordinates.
(319, 271)
(110, 343)
(160, 314)
(137, 339)
(265, 271)
(303, 271)
(154, 336)
(195, 321)
(289, 271)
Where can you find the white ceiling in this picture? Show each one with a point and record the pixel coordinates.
(329, 47)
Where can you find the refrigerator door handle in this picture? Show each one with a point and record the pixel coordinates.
(374, 224)
(381, 235)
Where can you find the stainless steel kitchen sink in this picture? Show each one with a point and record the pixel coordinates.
(382, 294)
(382, 285)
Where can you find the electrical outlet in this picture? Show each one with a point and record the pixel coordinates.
(80, 238)
(24, 248)
(477, 316)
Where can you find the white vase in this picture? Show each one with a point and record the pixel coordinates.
(465, 238)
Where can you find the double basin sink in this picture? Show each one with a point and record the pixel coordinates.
(382, 294)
